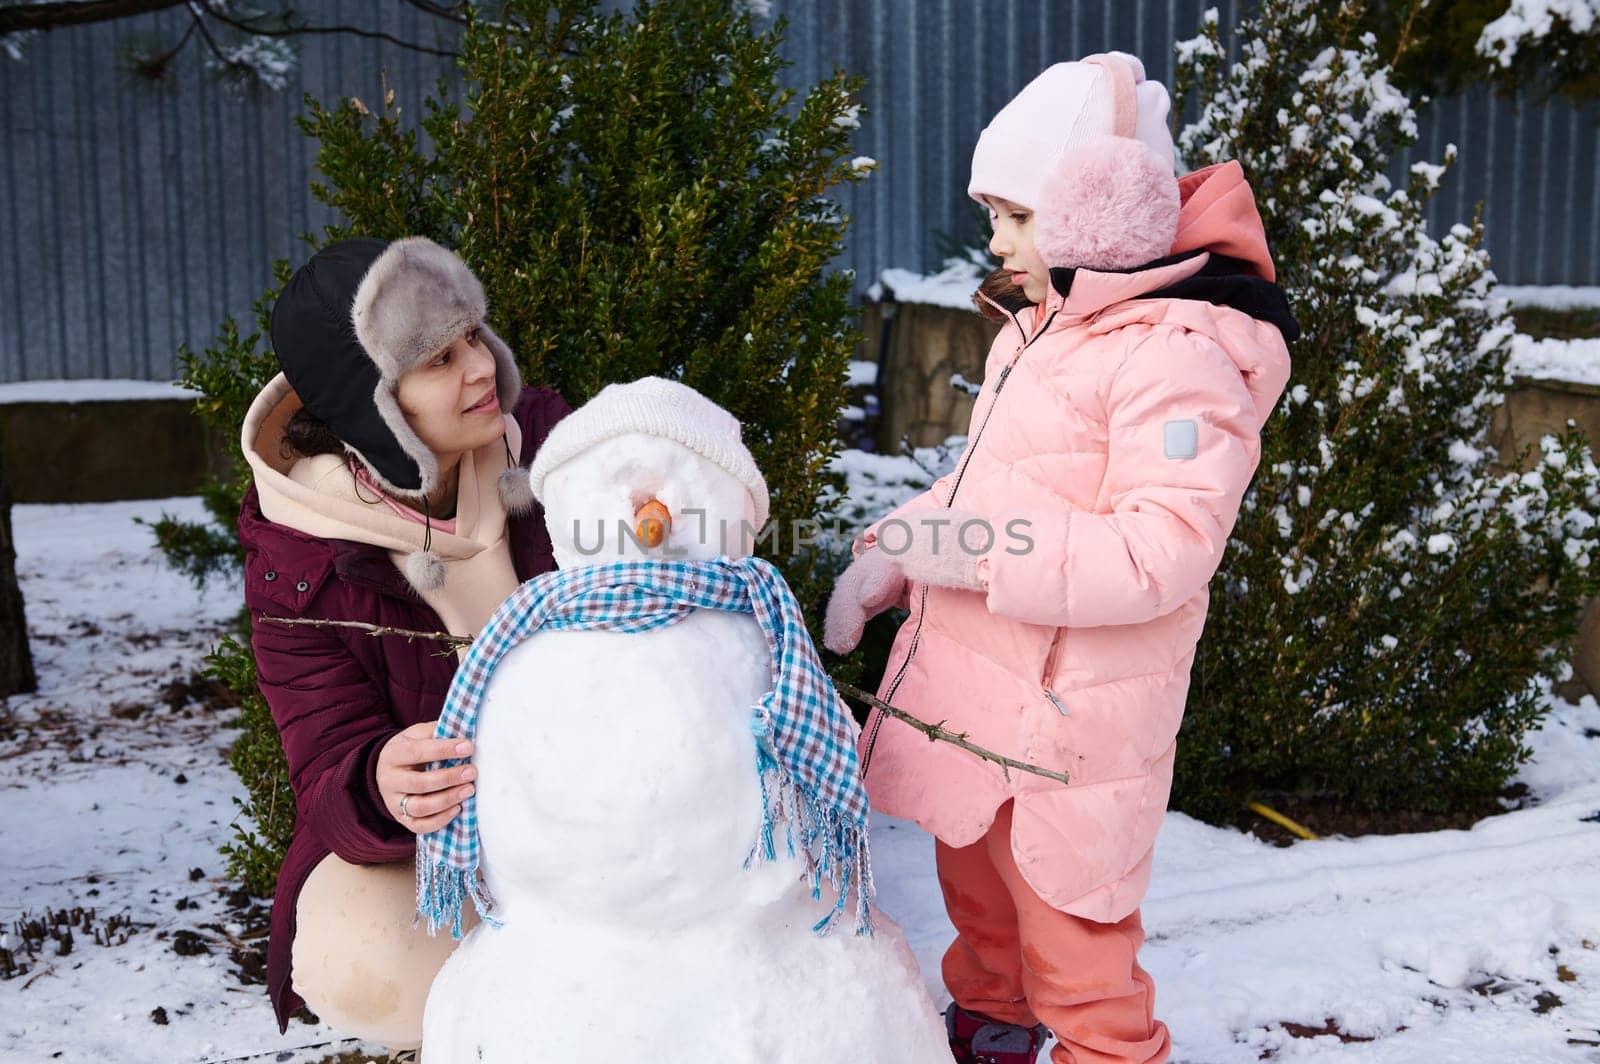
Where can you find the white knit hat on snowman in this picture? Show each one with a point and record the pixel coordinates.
(1085, 146)
(660, 407)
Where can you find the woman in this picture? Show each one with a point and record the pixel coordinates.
(386, 490)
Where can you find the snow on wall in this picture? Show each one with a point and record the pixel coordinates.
(90, 391)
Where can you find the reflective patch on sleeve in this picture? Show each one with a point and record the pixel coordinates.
(1180, 439)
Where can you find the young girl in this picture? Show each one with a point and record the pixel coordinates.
(379, 458)
(1057, 578)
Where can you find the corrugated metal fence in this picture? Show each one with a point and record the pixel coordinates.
(136, 215)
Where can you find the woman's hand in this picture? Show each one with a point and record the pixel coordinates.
(424, 801)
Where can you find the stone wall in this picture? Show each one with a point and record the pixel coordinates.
(925, 345)
(99, 451)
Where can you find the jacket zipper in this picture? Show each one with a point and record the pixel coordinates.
(966, 460)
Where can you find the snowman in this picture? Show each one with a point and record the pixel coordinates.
(670, 832)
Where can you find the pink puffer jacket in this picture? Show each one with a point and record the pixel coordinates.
(1123, 422)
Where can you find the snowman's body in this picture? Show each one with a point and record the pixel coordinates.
(618, 803)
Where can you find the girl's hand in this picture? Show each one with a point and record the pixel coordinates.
(870, 585)
(423, 801)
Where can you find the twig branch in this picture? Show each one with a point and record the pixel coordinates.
(938, 733)
(166, 57)
(293, 25)
(57, 13)
(450, 12)
(371, 629)
(197, 15)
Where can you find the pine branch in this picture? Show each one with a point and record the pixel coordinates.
(936, 733)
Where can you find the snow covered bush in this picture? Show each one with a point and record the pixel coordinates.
(639, 196)
(1560, 39)
(1392, 597)
(1530, 50)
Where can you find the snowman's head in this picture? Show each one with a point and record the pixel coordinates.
(635, 496)
(650, 468)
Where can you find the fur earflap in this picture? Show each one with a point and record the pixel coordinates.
(1110, 205)
(424, 570)
(516, 490)
(417, 298)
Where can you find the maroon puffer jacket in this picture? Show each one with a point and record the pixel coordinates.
(338, 695)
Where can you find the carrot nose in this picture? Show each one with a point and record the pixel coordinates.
(652, 522)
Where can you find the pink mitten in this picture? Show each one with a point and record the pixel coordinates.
(949, 562)
(870, 585)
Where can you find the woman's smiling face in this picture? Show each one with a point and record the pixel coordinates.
(1012, 244)
(451, 400)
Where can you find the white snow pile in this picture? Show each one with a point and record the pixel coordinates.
(952, 286)
(862, 374)
(1576, 361)
(1446, 947)
(1551, 296)
(90, 391)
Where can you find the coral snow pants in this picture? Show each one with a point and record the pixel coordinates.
(1018, 960)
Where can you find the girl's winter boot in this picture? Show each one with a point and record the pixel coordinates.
(976, 1039)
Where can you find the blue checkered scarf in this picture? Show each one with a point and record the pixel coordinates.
(805, 745)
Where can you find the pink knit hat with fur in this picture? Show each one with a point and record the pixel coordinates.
(1086, 147)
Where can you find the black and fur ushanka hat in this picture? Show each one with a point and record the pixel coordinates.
(356, 318)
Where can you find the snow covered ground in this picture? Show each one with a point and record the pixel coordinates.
(1452, 946)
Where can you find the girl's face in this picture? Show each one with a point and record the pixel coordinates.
(451, 400)
(1012, 244)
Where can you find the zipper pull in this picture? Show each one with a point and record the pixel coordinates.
(1004, 373)
(1061, 707)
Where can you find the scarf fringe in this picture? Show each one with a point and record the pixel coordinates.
(836, 849)
(441, 887)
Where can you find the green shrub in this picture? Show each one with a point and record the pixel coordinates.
(639, 196)
(1390, 604)
(261, 836)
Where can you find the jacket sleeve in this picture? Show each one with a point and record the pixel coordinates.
(1183, 441)
(333, 721)
(930, 499)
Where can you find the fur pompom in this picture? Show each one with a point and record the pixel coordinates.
(516, 490)
(1112, 204)
(424, 570)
